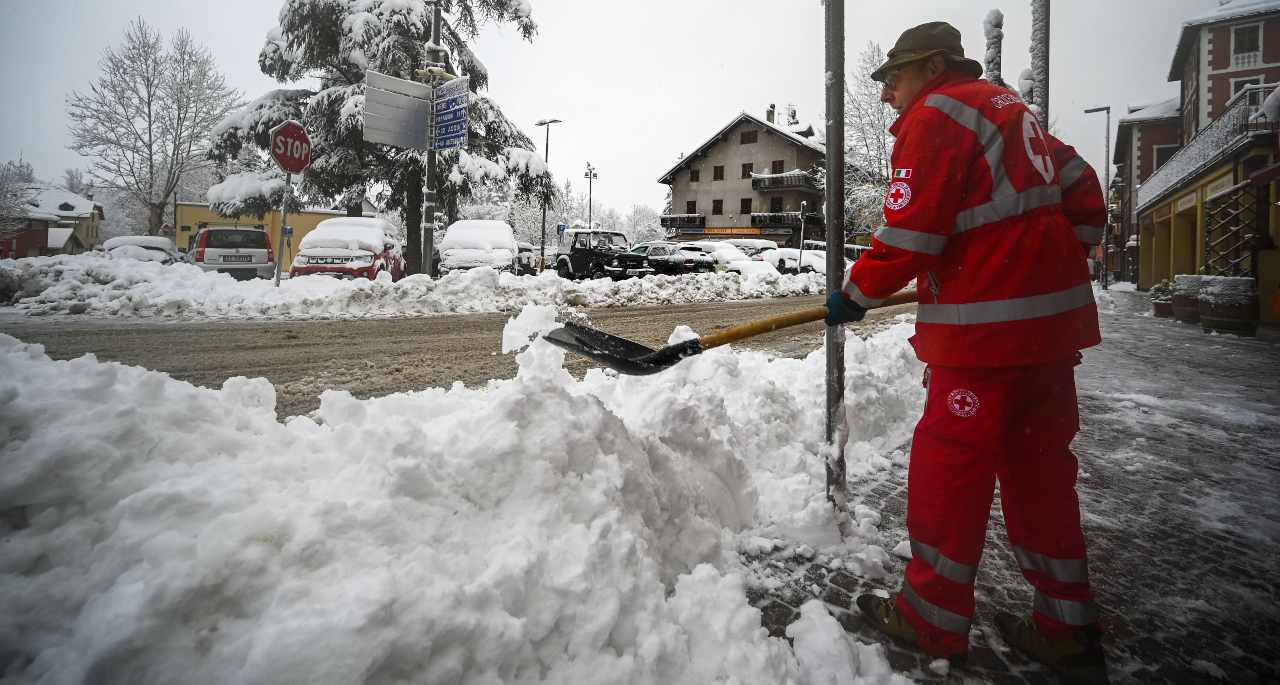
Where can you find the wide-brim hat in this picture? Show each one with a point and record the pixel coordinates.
(925, 41)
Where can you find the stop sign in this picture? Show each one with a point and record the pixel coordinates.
(291, 147)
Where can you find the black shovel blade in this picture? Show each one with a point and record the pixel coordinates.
(617, 353)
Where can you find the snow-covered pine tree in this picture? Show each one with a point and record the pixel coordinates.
(338, 40)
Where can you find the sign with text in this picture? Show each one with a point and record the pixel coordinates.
(291, 147)
(396, 112)
(450, 111)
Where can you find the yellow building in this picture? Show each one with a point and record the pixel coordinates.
(193, 216)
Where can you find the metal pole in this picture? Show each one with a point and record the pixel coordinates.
(591, 177)
(1106, 203)
(546, 157)
(429, 194)
(284, 220)
(836, 433)
(800, 261)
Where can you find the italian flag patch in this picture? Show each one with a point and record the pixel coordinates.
(902, 173)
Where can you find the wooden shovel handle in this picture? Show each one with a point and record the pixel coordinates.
(773, 323)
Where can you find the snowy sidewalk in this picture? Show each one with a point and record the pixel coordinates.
(1179, 492)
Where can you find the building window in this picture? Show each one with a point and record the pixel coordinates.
(746, 169)
(776, 166)
(749, 137)
(745, 206)
(1246, 46)
(717, 207)
(717, 173)
(1163, 153)
(691, 207)
(694, 175)
(1239, 84)
(775, 204)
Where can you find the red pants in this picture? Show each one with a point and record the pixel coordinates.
(1015, 424)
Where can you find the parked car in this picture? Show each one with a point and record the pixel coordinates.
(349, 247)
(243, 252)
(728, 257)
(598, 254)
(784, 260)
(851, 250)
(144, 248)
(473, 243)
(526, 259)
(667, 258)
(752, 246)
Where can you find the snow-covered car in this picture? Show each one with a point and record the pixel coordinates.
(728, 257)
(598, 254)
(349, 247)
(526, 259)
(752, 246)
(144, 248)
(667, 258)
(784, 260)
(242, 252)
(473, 243)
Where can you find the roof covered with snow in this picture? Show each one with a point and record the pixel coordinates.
(792, 136)
(1169, 109)
(478, 234)
(352, 233)
(1228, 10)
(51, 199)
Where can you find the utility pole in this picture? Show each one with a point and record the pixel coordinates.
(429, 195)
(546, 157)
(590, 176)
(1104, 277)
(837, 430)
(804, 204)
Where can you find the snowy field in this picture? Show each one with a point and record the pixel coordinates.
(101, 286)
(537, 529)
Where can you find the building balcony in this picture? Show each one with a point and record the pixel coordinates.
(1240, 122)
(785, 220)
(681, 221)
(791, 180)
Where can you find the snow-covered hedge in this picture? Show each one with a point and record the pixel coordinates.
(102, 286)
(1227, 290)
(539, 529)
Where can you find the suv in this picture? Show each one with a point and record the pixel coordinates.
(668, 258)
(240, 251)
(473, 243)
(349, 247)
(596, 254)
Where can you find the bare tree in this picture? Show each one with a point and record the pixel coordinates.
(146, 120)
(867, 139)
(15, 180)
(74, 181)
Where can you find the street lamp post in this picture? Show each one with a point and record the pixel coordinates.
(800, 261)
(546, 157)
(590, 176)
(1106, 188)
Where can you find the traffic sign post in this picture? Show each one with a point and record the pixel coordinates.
(291, 149)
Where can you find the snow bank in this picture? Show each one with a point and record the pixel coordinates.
(538, 529)
(105, 287)
(349, 233)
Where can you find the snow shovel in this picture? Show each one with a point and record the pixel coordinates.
(635, 359)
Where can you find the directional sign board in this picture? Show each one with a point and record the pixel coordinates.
(291, 147)
(396, 112)
(450, 109)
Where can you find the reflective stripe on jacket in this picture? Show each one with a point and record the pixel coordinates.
(974, 212)
(1082, 199)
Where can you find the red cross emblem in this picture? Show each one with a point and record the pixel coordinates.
(963, 402)
(899, 195)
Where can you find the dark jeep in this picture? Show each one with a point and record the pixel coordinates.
(597, 254)
(668, 258)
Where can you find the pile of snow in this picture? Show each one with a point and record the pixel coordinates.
(141, 253)
(102, 286)
(349, 233)
(537, 529)
(1228, 290)
(1186, 285)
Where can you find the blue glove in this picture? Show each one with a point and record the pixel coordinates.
(841, 309)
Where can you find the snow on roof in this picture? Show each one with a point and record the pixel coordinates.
(51, 199)
(780, 130)
(1227, 10)
(478, 234)
(348, 232)
(58, 237)
(1168, 109)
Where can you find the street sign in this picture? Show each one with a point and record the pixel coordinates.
(291, 147)
(450, 109)
(396, 112)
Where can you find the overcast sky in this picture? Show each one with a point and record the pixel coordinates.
(635, 83)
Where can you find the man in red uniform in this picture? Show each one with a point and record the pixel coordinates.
(993, 219)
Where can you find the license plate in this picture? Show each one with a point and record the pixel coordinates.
(237, 258)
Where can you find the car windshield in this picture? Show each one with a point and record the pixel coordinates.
(609, 240)
(230, 239)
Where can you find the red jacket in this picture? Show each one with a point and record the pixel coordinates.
(974, 213)
(1082, 200)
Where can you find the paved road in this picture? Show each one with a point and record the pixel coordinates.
(374, 357)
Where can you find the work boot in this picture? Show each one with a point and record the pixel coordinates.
(882, 614)
(1078, 659)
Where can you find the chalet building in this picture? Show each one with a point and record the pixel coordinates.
(1196, 187)
(52, 221)
(749, 180)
